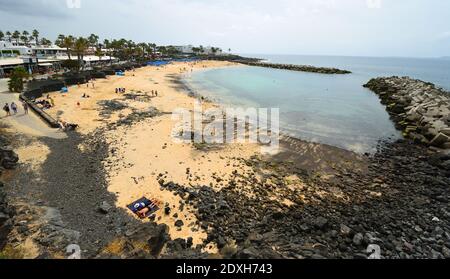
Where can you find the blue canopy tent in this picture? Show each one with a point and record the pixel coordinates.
(158, 63)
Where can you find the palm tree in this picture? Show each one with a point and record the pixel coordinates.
(153, 46)
(145, 49)
(35, 35)
(16, 36)
(68, 43)
(93, 40)
(25, 37)
(8, 34)
(99, 53)
(80, 47)
(60, 40)
(107, 46)
(45, 42)
(162, 49)
(196, 50)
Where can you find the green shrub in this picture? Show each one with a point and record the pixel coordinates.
(16, 81)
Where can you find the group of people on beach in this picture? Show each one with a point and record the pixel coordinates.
(46, 103)
(13, 107)
(120, 90)
(65, 127)
(154, 93)
(87, 84)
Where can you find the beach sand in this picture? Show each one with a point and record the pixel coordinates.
(143, 154)
(143, 151)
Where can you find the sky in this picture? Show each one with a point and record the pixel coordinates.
(406, 28)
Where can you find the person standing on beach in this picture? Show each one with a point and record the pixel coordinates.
(7, 110)
(14, 108)
(25, 107)
(156, 93)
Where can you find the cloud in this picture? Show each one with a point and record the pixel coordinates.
(35, 8)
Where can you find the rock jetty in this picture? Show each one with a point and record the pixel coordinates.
(420, 109)
(299, 68)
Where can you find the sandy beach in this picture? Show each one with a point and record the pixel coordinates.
(222, 201)
(143, 153)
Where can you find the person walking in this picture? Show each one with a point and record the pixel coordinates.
(7, 110)
(25, 107)
(14, 108)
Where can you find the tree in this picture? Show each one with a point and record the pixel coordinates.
(35, 35)
(68, 44)
(93, 40)
(8, 34)
(162, 50)
(2, 35)
(60, 40)
(16, 36)
(196, 50)
(107, 46)
(25, 37)
(99, 53)
(72, 65)
(80, 47)
(45, 42)
(16, 81)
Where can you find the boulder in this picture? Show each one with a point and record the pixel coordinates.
(440, 139)
(8, 158)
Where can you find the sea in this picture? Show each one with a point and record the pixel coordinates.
(329, 109)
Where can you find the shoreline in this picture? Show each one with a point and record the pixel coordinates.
(231, 201)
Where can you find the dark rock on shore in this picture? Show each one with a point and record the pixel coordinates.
(419, 109)
(8, 158)
(5, 217)
(400, 205)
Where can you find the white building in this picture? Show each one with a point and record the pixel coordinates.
(188, 49)
(37, 58)
(185, 49)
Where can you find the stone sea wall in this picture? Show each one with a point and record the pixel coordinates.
(300, 68)
(420, 109)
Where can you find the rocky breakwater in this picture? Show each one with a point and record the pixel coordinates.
(299, 68)
(8, 160)
(420, 109)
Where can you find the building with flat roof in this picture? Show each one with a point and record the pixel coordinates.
(39, 58)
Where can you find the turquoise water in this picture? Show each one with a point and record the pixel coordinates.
(329, 109)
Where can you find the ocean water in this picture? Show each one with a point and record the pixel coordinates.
(329, 109)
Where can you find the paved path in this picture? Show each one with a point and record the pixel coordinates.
(29, 124)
